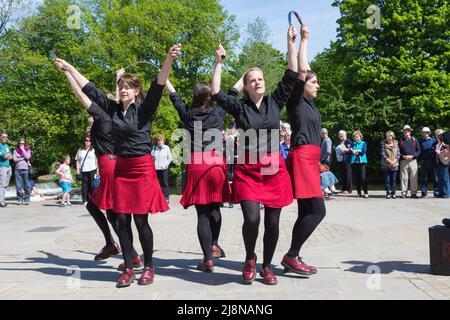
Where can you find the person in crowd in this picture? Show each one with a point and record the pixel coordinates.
(409, 151)
(442, 166)
(86, 163)
(358, 153)
(100, 131)
(162, 156)
(22, 159)
(427, 159)
(325, 147)
(5, 166)
(136, 188)
(390, 158)
(286, 146)
(327, 181)
(260, 175)
(305, 120)
(207, 186)
(344, 162)
(65, 181)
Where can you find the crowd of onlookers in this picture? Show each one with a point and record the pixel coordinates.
(425, 157)
(408, 157)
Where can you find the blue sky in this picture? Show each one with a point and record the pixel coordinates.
(319, 15)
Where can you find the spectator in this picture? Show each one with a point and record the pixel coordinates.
(442, 164)
(359, 162)
(5, 166)
(325, 147)
(65, 181)
(427, 161)
(327, 181)
(86, 168)
(22, 160)
(409, 151)
(390, 157)
(163, 158)
(286, 146)
(344, 158)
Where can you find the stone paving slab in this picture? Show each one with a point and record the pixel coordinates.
(364, 249)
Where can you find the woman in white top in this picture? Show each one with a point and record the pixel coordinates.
(86, 168)
(442, 164)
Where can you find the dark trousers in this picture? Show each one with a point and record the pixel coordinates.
(427, 173)
(390, 180)
(359, 170)
(163, 178)
(87, 185)
(22, 185)
(345, 170)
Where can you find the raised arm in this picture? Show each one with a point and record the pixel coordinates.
(177, 100)
(119, 74)
(78, 77)
(303, 65)
(216, 80)
(77, 90)
(171, 56)
(170, 88)
(239, 85)
(292, 57)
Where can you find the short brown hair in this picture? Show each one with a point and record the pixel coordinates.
(133, 82)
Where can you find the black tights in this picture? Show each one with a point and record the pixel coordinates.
(250, 228)
(126, 238)
(100, 219)
(310, 214)
(208, 227)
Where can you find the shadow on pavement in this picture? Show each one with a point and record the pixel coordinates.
(386, 267)
(65, 267)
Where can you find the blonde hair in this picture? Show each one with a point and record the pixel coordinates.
(390, 133)
(357, 133)
(160, 137)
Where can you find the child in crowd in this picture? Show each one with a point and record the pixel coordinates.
(65, 181)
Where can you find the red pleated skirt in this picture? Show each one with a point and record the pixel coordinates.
(266, 181)
(303, 167)
(206, 180)
(103, 195)
(136, 187)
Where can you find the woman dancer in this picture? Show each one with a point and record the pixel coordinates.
(206, 184)
(102, 197)
(136, 187)
(261, 176)
(305, 121)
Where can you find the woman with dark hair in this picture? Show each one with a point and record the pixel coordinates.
(22, 159)
(102, 197)
(260, 174)
(305, 120)
(206, 184)
(136, 188)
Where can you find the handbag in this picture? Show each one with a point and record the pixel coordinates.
(96, 181)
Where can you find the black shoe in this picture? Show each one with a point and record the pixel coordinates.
(446, 222)
(388, 196)
(414, 196)
(394, 196)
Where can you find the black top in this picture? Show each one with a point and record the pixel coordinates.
(304, 118)
(101, 131)
(132, 131)
(248, 116)
(209, 118)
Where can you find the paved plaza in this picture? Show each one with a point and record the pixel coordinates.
(364, 249)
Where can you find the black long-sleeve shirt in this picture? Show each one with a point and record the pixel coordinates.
(267, 117)
(132, 131)
(304, 117)
(209, 118)
(101, 131)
